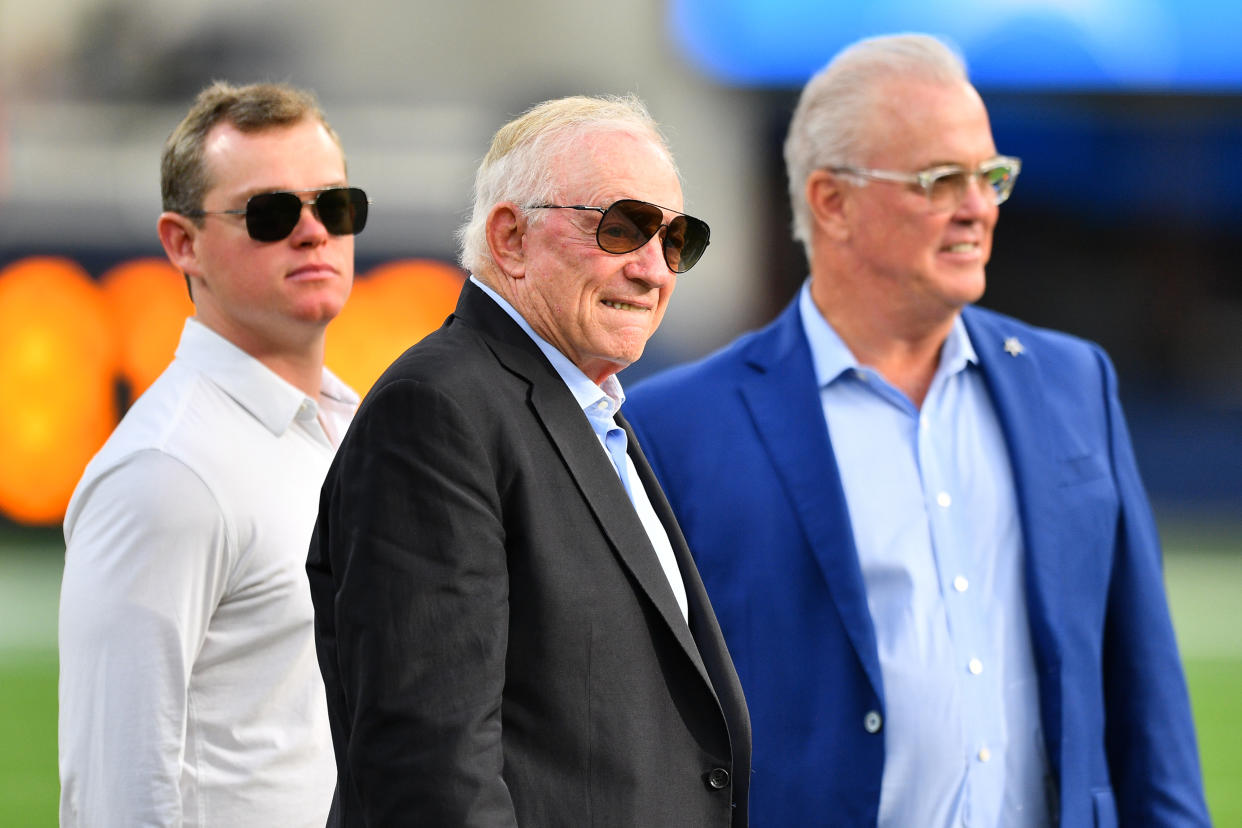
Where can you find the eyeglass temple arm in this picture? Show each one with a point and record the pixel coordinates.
(883, 175)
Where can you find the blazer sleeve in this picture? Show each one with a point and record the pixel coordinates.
(1149, 732)
(413, 650)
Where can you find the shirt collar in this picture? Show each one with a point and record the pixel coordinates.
(602, 401)
(334, 388)
(832, 357)
(255, 387)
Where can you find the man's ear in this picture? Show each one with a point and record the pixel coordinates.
(506, 233)
(826, 199)
(177, 233)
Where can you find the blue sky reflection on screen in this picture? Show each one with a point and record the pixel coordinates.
(1048, 45)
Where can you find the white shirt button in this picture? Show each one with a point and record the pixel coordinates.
(944, 500)
(960, 583)
(975, 666)
(984, 754)
(858, 374)
(872, 721)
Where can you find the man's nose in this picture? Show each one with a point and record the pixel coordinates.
(310, 227)
(978, 196)
(652, 266)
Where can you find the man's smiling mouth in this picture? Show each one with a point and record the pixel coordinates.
(625, 306)
(962, 247)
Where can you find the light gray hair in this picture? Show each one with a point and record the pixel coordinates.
(831, 123)
(518, 166)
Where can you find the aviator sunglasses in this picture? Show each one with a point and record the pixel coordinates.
(628, 224)
(271, 217)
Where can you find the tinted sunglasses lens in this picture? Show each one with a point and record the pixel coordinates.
(684, 243)
(343, 210)
(272, 216)
(628, 225)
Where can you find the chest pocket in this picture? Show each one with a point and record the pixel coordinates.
(1082, 468)
(1105, 808)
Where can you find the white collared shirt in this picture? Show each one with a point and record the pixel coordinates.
(190, 693)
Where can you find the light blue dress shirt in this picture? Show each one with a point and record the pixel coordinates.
(600, 404)
(935, 519)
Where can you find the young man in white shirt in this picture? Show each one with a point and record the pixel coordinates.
(189, 689)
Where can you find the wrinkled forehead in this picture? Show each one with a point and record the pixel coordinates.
(601, 166)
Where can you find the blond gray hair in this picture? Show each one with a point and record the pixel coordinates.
(518, 167)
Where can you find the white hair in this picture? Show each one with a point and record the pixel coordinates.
(518, 167)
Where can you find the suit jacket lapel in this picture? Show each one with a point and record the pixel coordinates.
(708, 640)
(568, 430)
(1036, 451)
(602, 489)
(784, 401)
(703, 637)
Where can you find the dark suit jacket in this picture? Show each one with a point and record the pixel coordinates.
(498, 640)
(753, 480)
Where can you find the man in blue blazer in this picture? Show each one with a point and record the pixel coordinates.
(921, 523)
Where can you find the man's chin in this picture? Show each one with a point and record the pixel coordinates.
(319, 313)
(966, 288)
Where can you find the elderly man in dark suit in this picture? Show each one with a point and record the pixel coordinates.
(509, 624)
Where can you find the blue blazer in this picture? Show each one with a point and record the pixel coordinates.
(740, 445)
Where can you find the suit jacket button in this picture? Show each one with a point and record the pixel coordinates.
(717, 779)
(872, 721)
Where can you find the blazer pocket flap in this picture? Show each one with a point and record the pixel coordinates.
(1083, 468)
(1105, 807)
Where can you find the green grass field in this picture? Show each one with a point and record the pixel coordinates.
(30, 564)
(1203, 569)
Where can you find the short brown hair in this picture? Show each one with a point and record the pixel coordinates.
(184, 179)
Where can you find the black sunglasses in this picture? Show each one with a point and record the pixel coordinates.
(271, 217)
(628, 224)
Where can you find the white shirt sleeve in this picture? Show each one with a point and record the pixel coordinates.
(146, 563)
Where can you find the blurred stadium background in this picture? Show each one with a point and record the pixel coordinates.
(1123, 229)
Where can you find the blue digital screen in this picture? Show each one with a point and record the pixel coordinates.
(1051, 45)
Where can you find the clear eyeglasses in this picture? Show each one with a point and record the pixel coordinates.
(945, 184)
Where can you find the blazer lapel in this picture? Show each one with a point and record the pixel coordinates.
(704, 638)
(1037, 447)
(784, 401)
(568, 430)
(709, 650)
(605, 495)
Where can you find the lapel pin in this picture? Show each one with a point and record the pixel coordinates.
(1012, 346)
